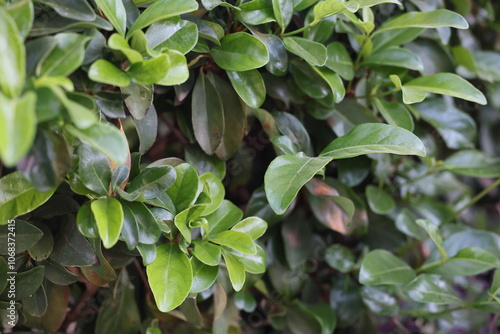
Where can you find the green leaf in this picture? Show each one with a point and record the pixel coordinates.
(117, 42)
(207, 115)
(70, 249)
(283, 11)
(240, 52)
(27, 282)
(108, 214)
(338, 60)
(286, 175)
(379, 201)
(137, 216)
(254, 227)
(18, 196)
(36, 304)
(312, 52)
(225, 217)
(433, 232)
(278, 56)
(473, 163)
(309, 80)
(203, 276)
(470, 261)
(447, 84)
(25, 236)
(94, 169)
(23, 14)
(63, 24)
(178, 71)
(340, 258)
(85, 221)
(152, 181)
(147, 129)
(379, 267)
(457, 128)
(17, 126)
(405, 222)
(139, 100)
(99, 273)
(150, 71)
(334, 82)
(235, 269)
(245, 301)
(105, 72)
(235, 240)
(256, 12)
(66, 57)
(173, 34)
(370, 3)
(434, 19)
(105, 138)
(428, 288)
(160, 10)
(115, 13)
(80, 10)
(148, 253)
(170, 276)
(333, 7)
(395, 114)
(185, 190)
(206, 252)
(250, 87)
(379, 301)
(43, 247)
(216, 191)
(297, 240)
(12, 58)
(374, 138)
(395, 56)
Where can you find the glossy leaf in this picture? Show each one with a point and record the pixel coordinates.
(25, 236)
(152, 181)
(312, 52)
(240, 52)
(203, 276)
(340, 258)
(235, 240)
(379, 267)
(94, 169)
(283, 11)
(160, 10)
(149, 71)
(374, 138)
(85, 221)
(338, 60)
(395, 114)
(379, 201)
(254, 227)
(397, 57)
(206, 252)
(256, 12)
(172, 33)
(278, 56)
(108, 214)
(473, 163)
(80, 10)
(12, 60)
(170, 276)
(250, 87)
(215, 189)
(225, 217)
(236, 270)
(177, 72)
(67, 56)
(185, 190)
(105, 72)
(333, 7)
(286, 175)
(18, 196)
(428, 288)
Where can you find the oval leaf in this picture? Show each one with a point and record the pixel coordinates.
(381, 267)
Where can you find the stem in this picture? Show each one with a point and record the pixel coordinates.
(430, 266)
(295, 32)
(478, 197)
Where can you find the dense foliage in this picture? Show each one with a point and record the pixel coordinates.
(297, 166)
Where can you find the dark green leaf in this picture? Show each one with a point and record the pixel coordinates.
(94, 169)
(338, 60)
(85, 221)
(140, 99)
(152, 181)
(43, 247)
(27, 282)
(147, 129)
(36, 304)
(250, 87)
(24, 235)
(397, 57)
(240, 52)
(379, 301)
(379, 267)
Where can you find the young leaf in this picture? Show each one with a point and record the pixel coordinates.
(207, 252)
(235, 268)
(286, 175)
(170, 276)
(115, 12)
(160, 10)
(428, 288)
(235, 240)
(240, 52)
(254, 227)
(12, 58)
(108, 214)
(435, 19)
(374, 138)
(149, 71)
(333, 7)
(379, 267)
(105, 72)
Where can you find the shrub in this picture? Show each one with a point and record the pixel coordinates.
(185, 166)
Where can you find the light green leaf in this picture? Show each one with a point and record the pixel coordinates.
(203, 276)
(433, 232)
(240, 52)
(108, 214)
(150, 71)
(67, 56)
(12, 57)
(333, 7)
(395, 56)
(370, 3)
(23, 14)
(406, 223)
(447, 84)
(236, 240)
(286, 175)
(312, 52)
(170, 276)
(379, 201)
(435, 19)
(160, 10)
(374, 138)
(105, 72)
(283, 11)
(428, 288)
(235, 268)
(17, 126)
(117, 42)
(473, 163)
(79, 10)
(185, 188)
(254, 227)
(250, 87)
(115, 12)
(207, 252)
(379, 267)
(256, 12)
(216, 191)
(207, 115)
(395, 114)
(177, 72)
(339, 60)
(18, 196)
(225, 217)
